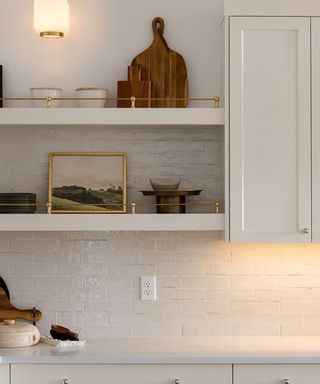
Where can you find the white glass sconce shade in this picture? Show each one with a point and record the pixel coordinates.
(51, 18)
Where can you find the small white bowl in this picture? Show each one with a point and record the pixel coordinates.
(46, 92)
(92, 92)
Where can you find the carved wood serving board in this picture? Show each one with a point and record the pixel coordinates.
(165, 68)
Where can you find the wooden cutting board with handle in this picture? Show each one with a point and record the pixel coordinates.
(165, 68)
(9, 312)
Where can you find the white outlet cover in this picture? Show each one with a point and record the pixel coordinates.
(148, 288)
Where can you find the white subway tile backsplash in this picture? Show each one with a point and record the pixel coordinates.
(82, 318)
(71, 269)
(19, 281)
(57, 281)
(108, 306)
(207, 306)
(230, 294)
(23, 269)
(255, 330)
(119, 282)
(157, 306)
(180, 294)
(180, 318)
(82, 294)
(181, 269)
(33, 294)
(15, 257)
(132, 318)
(255, 306)
(107, 331)
(206, 330)
(230, 319)
(33, 245)
(157, 330)
(206, 282)
(4, 245)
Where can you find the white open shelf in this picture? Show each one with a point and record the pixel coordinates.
(110, 116)
(112, 222)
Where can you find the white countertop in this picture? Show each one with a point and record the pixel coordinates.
(175, 350)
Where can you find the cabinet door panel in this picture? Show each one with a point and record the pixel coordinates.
(270, 132)
(316, 129)
(120, 374)
(4, 374)
(276, 374)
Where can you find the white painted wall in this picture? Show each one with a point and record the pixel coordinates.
(104, 38)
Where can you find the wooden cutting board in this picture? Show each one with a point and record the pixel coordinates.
(165, 68)
(134, 87)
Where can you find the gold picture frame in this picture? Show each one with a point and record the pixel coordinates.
(103, 190)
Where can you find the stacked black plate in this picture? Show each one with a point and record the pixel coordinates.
(18, 202)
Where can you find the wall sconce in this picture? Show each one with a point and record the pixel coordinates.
(51, 18)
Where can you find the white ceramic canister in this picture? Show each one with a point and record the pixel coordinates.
(92, 92)
(18, 334)
(44, 93)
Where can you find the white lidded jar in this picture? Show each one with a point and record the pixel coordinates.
(18, 334)
(99, 93)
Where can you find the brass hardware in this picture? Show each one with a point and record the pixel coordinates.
(65, 381)
(49, 208)
(133, 99)
(216, 207)
(216, 100)
(49, 102)
(286, 381)
(306, 230)
(133, 208)
(52, 35)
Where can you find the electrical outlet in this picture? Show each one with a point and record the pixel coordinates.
(148, 288)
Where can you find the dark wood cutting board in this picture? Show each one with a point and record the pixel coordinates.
(134, 87)
(165, 68)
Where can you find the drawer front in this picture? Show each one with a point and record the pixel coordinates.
(120, 374)
(277, 374)
(4, 374)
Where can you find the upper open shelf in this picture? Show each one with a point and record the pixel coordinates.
(111, 116)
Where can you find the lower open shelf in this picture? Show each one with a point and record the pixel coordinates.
(112, 222)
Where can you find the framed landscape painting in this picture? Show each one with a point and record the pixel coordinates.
(83, 182)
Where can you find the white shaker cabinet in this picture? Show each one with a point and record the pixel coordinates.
(4, 374)
(276, 374)
(120, 374)
(270, 129)
(315, 31)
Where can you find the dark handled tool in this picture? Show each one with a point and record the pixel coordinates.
(3, 285)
